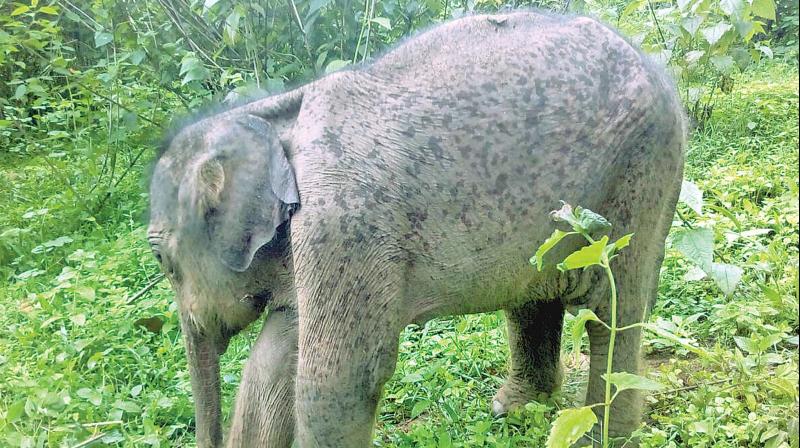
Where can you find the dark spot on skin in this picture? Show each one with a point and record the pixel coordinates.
(501, 183)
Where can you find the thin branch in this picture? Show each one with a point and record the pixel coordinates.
(297, 17)
(658, 26)
(90, 440)
(144, 290)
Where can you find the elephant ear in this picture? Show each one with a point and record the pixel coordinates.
(247, 189)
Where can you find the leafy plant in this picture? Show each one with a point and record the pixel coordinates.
(572, 424)
(697, 245)
(704, 42)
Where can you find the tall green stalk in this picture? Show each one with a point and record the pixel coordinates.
(611, 340)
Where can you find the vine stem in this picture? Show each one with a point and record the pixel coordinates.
(611, 340)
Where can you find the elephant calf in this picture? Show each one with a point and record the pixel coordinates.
(414, 187)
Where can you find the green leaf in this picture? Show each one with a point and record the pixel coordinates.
(694, 274)
(102, 38)
(749, 345)
(195, 74)
(620, 244)
(692, 24)
(92, 396)
(623, 242)
(336, 64)
(419, 408)
(20, 91)
(412, 378)
(20, 10)
(732, 7)
(632, 7)
(232, 25)
(761, 8)
(58, 242)
(127, 406)
(570, 426)
(714, 34)
(586, 256)
(726, 276)
(584, 315)
(724, 64)
(137, 56)
(52, 10)
(696, 244)
(590, 221)
(15, 411)
(549, 243)
(383, 21)
(624, 380)
(316, 5)
(692, 196)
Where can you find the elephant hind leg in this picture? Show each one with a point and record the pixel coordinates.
(642, 203)
(534, 338)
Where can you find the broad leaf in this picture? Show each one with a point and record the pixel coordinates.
(570, 426)
(732, 7)
(624, 381)
(764, 8)
(585, 256)
(724, 64)
(633, 6)
(195, 74)
(692, 24)
(383, 21)
(419, 408)
(102, 38)
(623, 242)
(20, 10)
(694, 274)
(315, 5)
(714, 34)
(584, 315)
(692, 196)
(335, 65)
(726, 276)
(538, 258)
(695, 244)
(590, 221)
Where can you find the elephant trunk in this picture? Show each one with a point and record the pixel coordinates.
(203, 353)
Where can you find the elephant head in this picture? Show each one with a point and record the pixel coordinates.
(221, 197)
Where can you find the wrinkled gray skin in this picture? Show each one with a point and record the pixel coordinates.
(419, 187)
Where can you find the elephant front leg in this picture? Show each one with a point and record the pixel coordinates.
(534, 339)
(349, 329)
(264, 411)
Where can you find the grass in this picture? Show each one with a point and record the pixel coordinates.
(81, 361)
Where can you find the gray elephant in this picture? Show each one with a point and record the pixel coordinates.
(415, 187)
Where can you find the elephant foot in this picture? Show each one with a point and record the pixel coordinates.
(515, 394)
